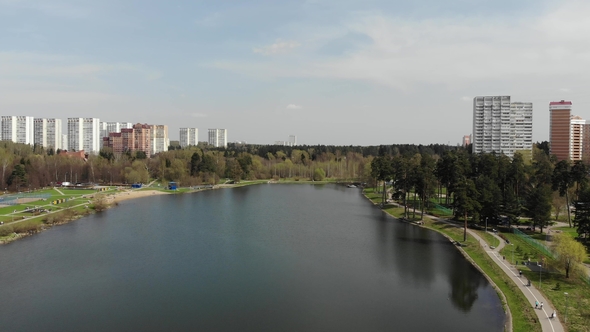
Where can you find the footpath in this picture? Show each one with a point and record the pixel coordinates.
(532, 294)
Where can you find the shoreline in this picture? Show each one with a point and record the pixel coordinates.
(508, 324)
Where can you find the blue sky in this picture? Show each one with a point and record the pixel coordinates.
(331, 72)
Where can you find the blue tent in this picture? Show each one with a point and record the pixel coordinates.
(172, 185)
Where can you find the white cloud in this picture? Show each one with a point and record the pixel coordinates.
(279, 47)
(198, 115)
(454, 52)
(293, 107)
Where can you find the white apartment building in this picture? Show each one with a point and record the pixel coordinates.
(189, 136)
(501, 126)
(293, 140)
(577, 125)
(218, 137)
(64, 141)
(84, 134)
(48, 133)
(113, 127)
(18, 129)
(160, 140)
(521, 128)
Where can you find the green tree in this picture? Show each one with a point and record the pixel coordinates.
(465, 202)
(582, 217)
(538, 205)
(570, 253)
(319, 174)
(195, 161)
(562, 181)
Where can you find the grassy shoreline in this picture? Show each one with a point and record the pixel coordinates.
(519, 314)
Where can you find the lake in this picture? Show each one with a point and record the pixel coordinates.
(268, 257)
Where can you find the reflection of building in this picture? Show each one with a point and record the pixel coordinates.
(84, 134)
(501, 126)
(18, 129)
(218, 137)
(559, 128)
(48, 133)
(189, 136)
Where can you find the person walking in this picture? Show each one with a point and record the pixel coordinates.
(541, 305)
(520, 274)
(536, 304)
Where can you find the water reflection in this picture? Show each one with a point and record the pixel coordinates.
(464, 285)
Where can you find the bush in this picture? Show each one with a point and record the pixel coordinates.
(6, 230)
(319, 174)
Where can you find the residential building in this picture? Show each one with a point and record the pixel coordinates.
(160, 139)
(142, 135)
(218, 137)
(19, 129)
(113, 127)
(189, 136)
(466, 140)
(501, 126)
(521, 128)
(48, 133)
(293, 140)
(559, 128)
(64, 141)
(586, 143)
(577, 125)
(84, 134)
(133, 139)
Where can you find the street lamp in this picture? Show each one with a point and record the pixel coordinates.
(540, 268)
(512, 244)
(565, 316)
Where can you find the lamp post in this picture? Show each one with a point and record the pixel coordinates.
(513, 262)
(565, 316)
(540, 268)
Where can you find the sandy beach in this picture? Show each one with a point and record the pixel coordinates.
(132, 194)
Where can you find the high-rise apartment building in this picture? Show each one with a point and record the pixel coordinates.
(64, 141)
(84, 134)
(142, 134)
(466, 140)
(559, 128)
(521, 128)
(189, 136)
(113, 127)
(138, 138)
(501, 126)
(47, 133)
(218, 137)
(19, 129)
(160, 139)
(577, 125)
(292, 140)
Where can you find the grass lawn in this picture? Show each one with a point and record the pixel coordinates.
(491, 240)
(578, 290)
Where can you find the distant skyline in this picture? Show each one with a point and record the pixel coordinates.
(334, 72)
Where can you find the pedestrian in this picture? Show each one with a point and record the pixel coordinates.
(519, 274)
(503, 257)
(536, 304)
(553, 314)
(541, 305)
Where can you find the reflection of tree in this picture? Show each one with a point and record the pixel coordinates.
(464, 286)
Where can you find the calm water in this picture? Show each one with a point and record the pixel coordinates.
(259, 258)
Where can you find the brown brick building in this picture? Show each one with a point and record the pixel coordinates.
(559, 128)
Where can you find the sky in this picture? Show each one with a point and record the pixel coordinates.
(334, 72)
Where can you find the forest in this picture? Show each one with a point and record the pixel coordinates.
(476, 188)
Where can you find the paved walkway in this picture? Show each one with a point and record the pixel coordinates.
(530, 292)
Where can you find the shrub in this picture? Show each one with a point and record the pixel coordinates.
(6, 230)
